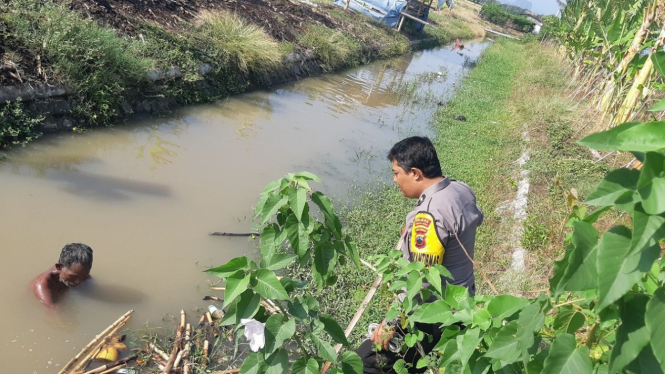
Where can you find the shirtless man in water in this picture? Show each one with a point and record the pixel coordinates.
(72, 268)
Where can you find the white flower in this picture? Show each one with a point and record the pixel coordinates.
(254, 332)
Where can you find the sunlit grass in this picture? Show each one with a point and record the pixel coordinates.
(333, 48)
(248, 45)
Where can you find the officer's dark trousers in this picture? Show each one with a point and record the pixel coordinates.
(383, 361)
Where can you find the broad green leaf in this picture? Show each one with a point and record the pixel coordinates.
(434, 278)
(581, 273)
(333, 329)
(655, 318)
(331, 220)
(266, 284)
(235, 285)
(505, 347)
(298, 200)
(659, 106)
(312, 303)
(504, 306)
(645, 137)
(277, 261)
(568, 320)
(324, 348)
(593, 217)
(414, 284)
(658, 60)
(633, 334)
(646, 362)
(268, 241)
(278, 329)
(564, 358)
(253, 364)
(231, 267)
(607, 140)
(530, 320)
(467, 343)
(410, 340)
(560, 268)
(448, 333)
(265, 194)
(651, 184)
(618, 269)
(303, 366)
(352, 251)
(272, 205)
(535, 366)
(648, 229)
(412, 266)
(298, 308)
(443, 271)
(457, 296)
(307, 176)
(617, 184)
(298, 235)
(400, 367)
(351, 363)
(244, 307)
(482, 319)
(278, 362)
(325, 258)
(450, 359)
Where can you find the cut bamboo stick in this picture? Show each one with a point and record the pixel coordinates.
(203, 318)
(356, 317)
(176, 343)
(204, 356)
(95, 343)
(112, 365)
(159, 351)
(209, 317)
(230, 371)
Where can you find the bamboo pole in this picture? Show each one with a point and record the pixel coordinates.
(188, 348)
(176, 343)
(114, 364)
(356, 317)
(628, 105)
(97, 342)
(230, 371)
(346, 6)
(159, 351)
(204, 356)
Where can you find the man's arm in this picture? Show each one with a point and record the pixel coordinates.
(42, 291)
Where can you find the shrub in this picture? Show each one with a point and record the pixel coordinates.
(333, 48)
(17, 126)
(248, 45)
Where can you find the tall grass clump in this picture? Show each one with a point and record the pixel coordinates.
(333, 48)
(249, 46)
(93, 60)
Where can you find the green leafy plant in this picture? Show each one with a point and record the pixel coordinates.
(291, 233)
(17, 126)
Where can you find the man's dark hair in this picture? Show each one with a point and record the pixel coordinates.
(76, 253)
(417, 152)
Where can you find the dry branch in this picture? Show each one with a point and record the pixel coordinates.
(176, 343)
(115, 365)
(82, 358)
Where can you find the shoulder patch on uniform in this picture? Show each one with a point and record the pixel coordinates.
(425, 244)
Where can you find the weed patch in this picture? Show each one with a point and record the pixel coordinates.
(17, 126)
(335, 50)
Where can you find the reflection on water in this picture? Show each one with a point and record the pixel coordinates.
(145, 195)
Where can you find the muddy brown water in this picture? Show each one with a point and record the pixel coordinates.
(144, 195)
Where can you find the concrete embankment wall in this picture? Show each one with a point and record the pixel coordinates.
(55, 102)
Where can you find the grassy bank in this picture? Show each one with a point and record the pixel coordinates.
(107, 64)
(515, 88)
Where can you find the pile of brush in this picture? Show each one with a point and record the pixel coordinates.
(189, 353)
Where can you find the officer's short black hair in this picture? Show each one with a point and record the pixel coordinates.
(416, 152)
(76, 253)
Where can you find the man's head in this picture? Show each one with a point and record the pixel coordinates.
(74, 264)
(415, 165)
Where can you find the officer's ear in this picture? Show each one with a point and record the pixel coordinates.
(417, 174)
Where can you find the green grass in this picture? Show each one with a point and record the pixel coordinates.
(249, 47)
(335, 50)
(93, 60)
